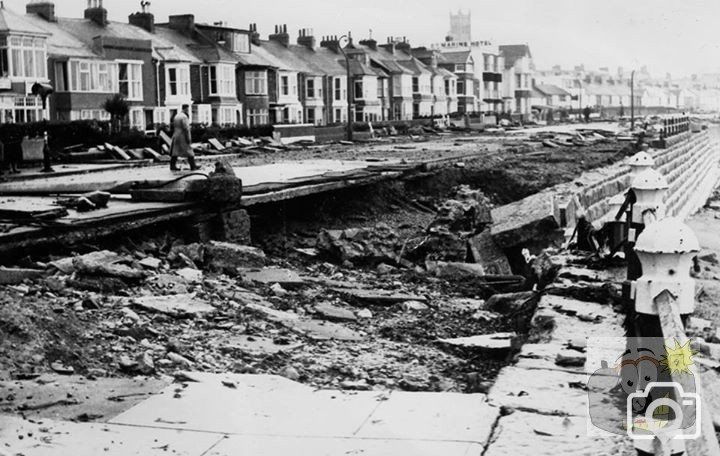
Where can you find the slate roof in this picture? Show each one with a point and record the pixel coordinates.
(324, 61)
(550, 90)
(514, 52)
(61, 43)
(456, 57)
(13, 22)
(85, 30)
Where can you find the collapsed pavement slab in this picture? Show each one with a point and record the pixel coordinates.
(523, 433)
(530, 219)
(176, 305)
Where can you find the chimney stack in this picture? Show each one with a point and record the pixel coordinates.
(254, 35)
(331, 42)
(371, 43)
(144, 19)
(281, 35)
(183, 23)
(44, 9)
(306, 38)
(96, 13)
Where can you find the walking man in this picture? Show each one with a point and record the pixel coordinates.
(180, 145)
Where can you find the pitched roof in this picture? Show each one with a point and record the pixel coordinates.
(456, 57)
(286, 59)
(13, 22)
(323, 60)
(514, 52)
(60, 43)
(85, 30)
(549, 90)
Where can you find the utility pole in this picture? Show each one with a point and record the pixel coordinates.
(349, 88)
(632, 101)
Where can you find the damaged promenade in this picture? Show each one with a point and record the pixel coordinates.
(383, 281)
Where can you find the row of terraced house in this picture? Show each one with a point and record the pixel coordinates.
(231, 76)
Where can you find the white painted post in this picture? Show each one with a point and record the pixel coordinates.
(649, 187)
(666, 290)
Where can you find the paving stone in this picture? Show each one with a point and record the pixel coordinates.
(210, 406)
(13, 276)
(46, 437)
(530, 219)
(546, 391)
(255, 345)
(280, 446)
(273, 314)
(228, 257)
(590, 275)
(380, 297)
(432, 416)
(523, 433)
(498, 343)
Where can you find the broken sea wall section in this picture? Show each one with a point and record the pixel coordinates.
(689, 162)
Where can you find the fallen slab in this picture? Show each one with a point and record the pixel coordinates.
(13, 276)
(179, 305)
(498, 344)
(324, 330)
(380, 297)
(268, 276)
(328, 311)
(530, 219)
(228, 257)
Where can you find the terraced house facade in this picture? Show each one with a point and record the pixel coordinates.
(228, 75)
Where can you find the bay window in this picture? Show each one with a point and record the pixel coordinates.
(130, 80)
(256, 83)
(23, 57)
(222, 80)
(86, 76)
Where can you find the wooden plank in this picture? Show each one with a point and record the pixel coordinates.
(673, 330)
(166, 139)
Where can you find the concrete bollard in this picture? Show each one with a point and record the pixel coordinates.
(649, 187)
(666, 249)
(640, 162)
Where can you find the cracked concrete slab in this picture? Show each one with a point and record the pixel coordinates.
(541, 435)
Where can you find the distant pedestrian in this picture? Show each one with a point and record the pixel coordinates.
(181, 140)
(586, 114)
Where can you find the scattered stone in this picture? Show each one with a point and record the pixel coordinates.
(485, 316)
(145, 364)
(255, 345)
(273, 314)
(194, 252)
(227, 257)
(385, 269)
(439, 244)
(529, 220)
(485, 252)
(333, 313)
(150, 263)
(14, 276)
(468, 211)
(278, 290)
(569, 361)
(364, 314)
(414, 306)
(61, 368)
(267, 276)
(104, 267)
(381, 297)
(290, 373)
(191, 275)
(500, 344)
(169, 284)
(126, 364)
(67, 265)
(379, 244)
(179, 360)
(454, 270)
(175, 305)
(511, 303)
(129, 313)
(360, 385)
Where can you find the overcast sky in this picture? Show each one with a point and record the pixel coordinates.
(666, 35)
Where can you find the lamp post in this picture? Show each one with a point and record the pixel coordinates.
(632, 101)
(349, 88)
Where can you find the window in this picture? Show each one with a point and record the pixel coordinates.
(27, 57)
(256, 83)
(415, 85)
(518, 81)
(257, 117)
(338, 115)
(240, 42)
(310, 115)
(447, 87)
(461, 87)
(284, 85)
(222, 80)
(130, 80)
(310, 89)
(359, 115)
(178, 81)
(61, 77)
(380, 88)
(416, 110)
(358, 88)
(338, 89)
(137, 118)
(460, 67)
(86, 76)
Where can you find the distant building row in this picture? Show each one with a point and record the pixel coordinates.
(231, 76)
